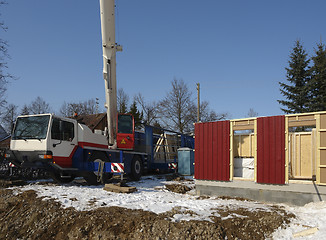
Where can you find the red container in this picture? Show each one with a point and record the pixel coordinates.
(212, 151)
(271, 150)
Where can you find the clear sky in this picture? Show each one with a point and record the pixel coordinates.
(236, 49)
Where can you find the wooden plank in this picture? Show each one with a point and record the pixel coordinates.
(255, 148)
(303, 123)
(302, 154)
(287, 152)
(243, 124)
(318, 124)
(243, 145)
(232, 139)
(159, 150)
(300, 120)
(243, 127)
(117, 188)
(306, 155)
(306, 232)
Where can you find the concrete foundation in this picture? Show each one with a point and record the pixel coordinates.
(295, 193)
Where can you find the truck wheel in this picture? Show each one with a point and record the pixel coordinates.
(91, 178)
(61, 179)
(136, 168)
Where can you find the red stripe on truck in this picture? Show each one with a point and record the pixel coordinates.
(65, 162)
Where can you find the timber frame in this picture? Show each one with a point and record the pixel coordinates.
(316, 120)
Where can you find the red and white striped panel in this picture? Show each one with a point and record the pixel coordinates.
(173, 165)
(11, 165)
(117, 167)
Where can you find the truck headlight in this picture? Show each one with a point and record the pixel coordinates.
(46, 156)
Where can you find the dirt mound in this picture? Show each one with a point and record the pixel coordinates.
(178, 188)
(25, 216)
(174, 177)
(11, 183)
(242, 223)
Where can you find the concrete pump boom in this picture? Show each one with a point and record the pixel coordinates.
(107, 8)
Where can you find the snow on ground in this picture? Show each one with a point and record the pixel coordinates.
(152, 196)
(309, 216)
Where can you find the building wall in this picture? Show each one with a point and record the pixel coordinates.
(212, 151)
(271, 150)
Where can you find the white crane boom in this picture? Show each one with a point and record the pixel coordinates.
(107, 8)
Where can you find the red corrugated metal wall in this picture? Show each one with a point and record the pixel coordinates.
(271, 150)
(212, 151)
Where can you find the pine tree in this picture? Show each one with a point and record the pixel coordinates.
(138, 116)
(122, 108)
(298, 74)
(317, 85)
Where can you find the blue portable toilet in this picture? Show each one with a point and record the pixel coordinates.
(186, 161)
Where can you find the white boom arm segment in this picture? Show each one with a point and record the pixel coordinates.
(110, 48)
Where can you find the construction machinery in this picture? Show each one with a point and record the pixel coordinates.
(67, 148)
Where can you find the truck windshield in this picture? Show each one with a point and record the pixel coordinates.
(31, 127)
(125, 124)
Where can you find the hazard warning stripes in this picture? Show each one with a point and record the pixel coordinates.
(117, 167)
(173, 165)
(11, 165)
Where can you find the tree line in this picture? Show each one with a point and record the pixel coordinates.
(305, 86)
(176, 111)
(304, 90)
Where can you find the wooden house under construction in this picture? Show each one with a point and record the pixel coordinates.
(260, 155)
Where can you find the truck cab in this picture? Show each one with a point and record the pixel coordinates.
(50, 141)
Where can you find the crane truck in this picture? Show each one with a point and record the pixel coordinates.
(68, 149)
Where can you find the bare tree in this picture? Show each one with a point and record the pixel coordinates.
(39, 106)
(25, 110)
(176, 108)
(89, 106)
(122, 100)
(81, 108)
(64, 110)
(208, 115)
(4, 75)
(149, 110)
(252, 113)
(9, 117)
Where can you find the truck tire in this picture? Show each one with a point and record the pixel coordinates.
(56, 176)
(91, 178)
(136, 168)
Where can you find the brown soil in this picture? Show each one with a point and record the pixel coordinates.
(26, 216)
(178, 188)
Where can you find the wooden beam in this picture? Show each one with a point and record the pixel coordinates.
(243, 127)
(119, 189)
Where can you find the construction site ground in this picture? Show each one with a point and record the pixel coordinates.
(163, 207)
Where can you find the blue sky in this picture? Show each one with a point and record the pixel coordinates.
(236, 49)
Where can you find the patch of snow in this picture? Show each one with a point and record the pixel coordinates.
(152, 196)
(308, 216)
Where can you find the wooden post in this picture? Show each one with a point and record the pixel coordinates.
(231, 151)
(287, 152)
(198, 102)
